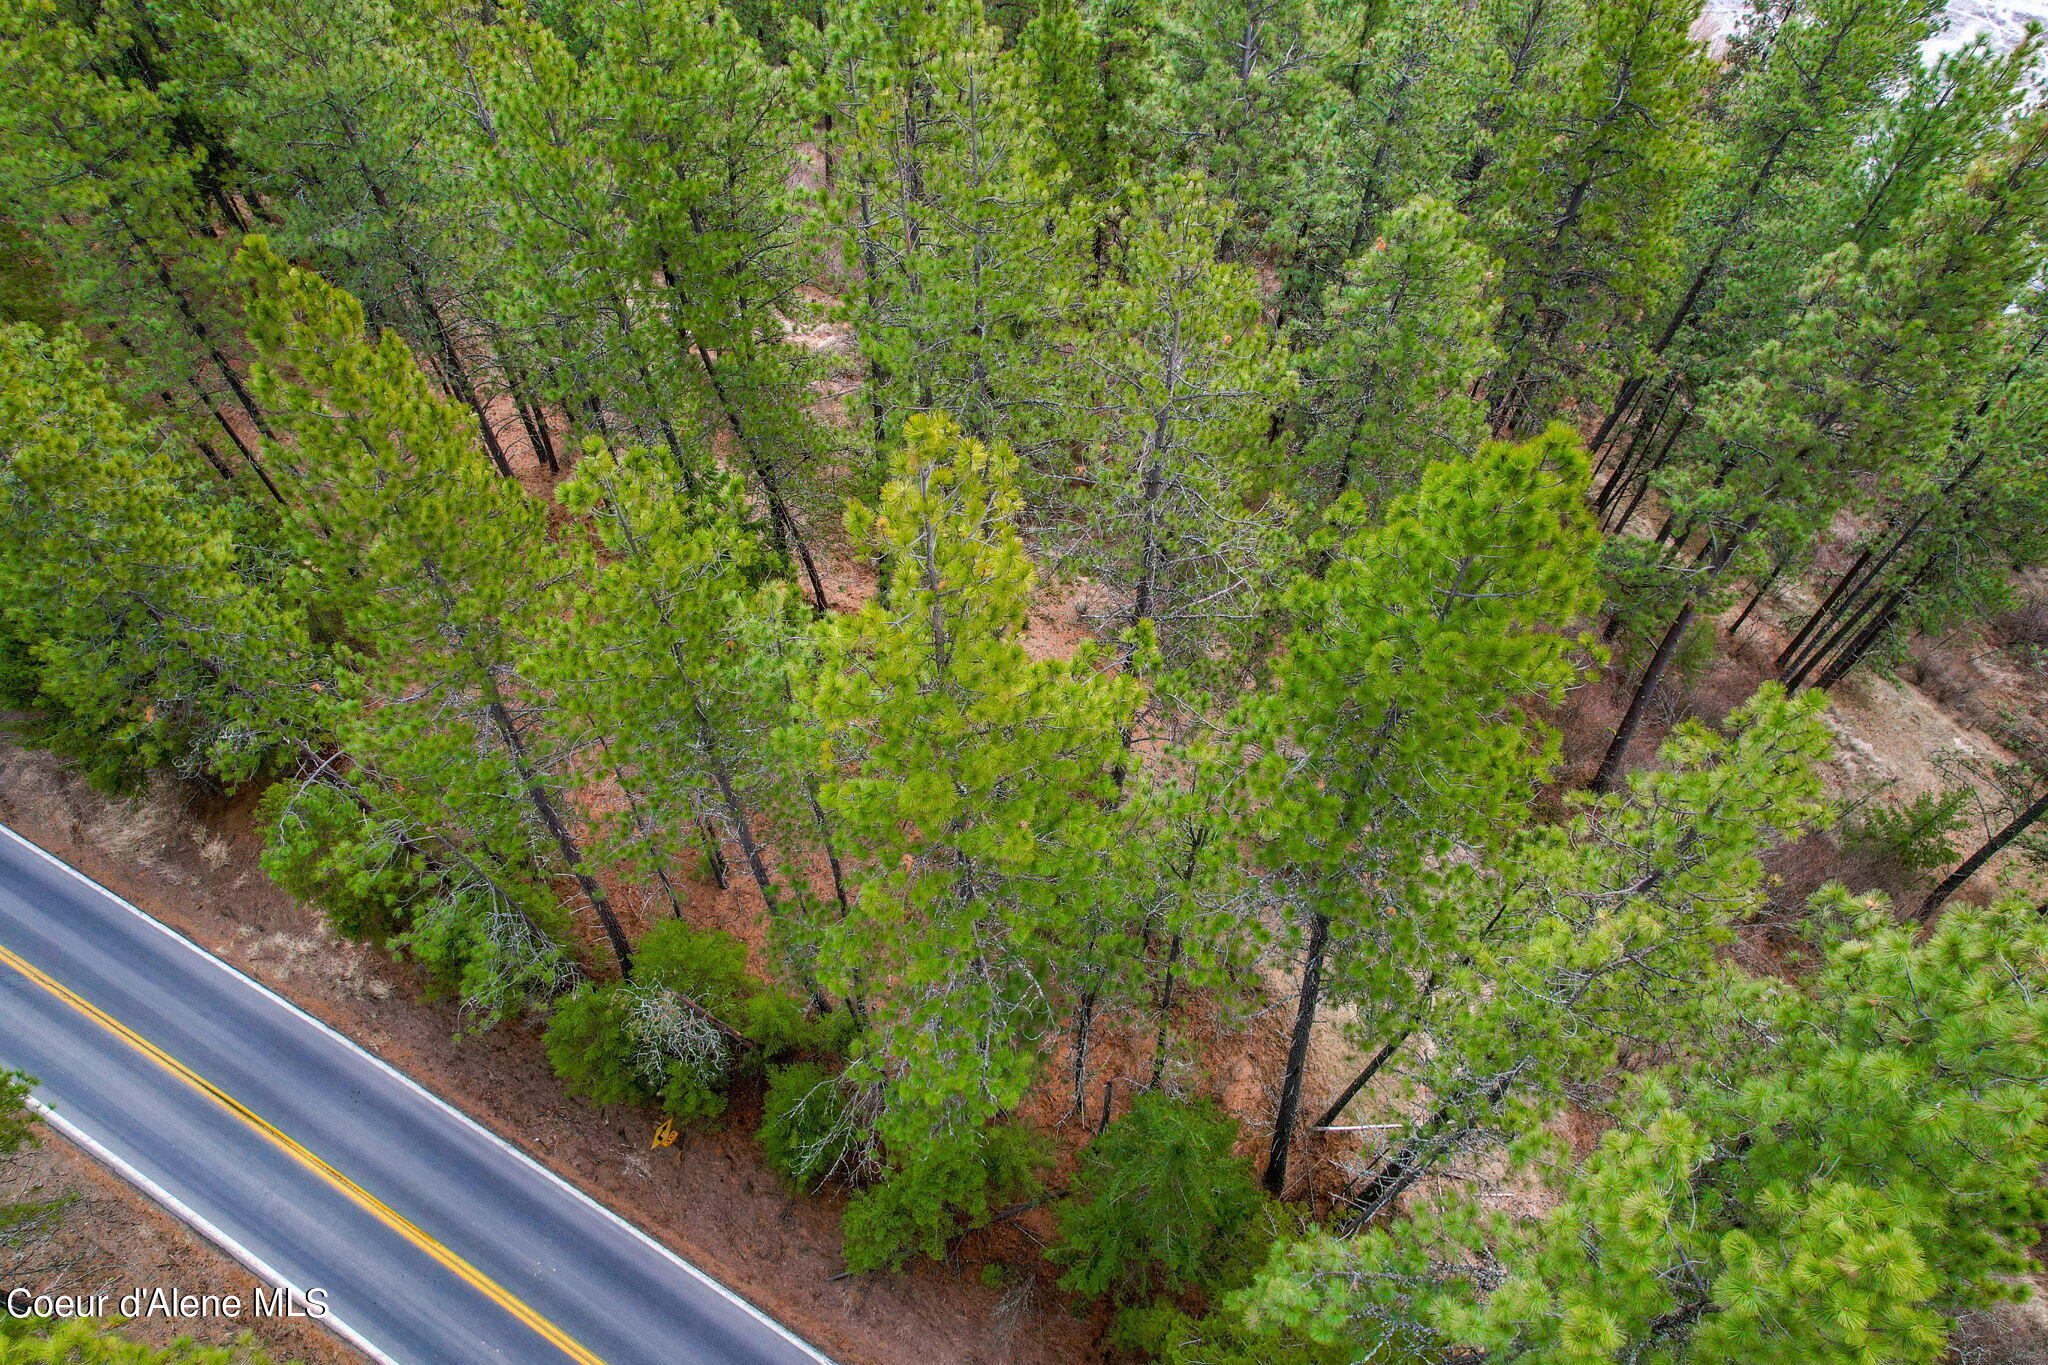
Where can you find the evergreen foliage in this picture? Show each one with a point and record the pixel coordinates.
(972, 777)
(1182, 389)
(1158, 1202)
(136, 617)
(1243, 411)
(1407, 335)
(1804, 1211)
(1393, 733)
(951, 1186)
(1584, 203)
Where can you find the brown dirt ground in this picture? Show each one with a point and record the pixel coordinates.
(110, 1239)
(710, 1196)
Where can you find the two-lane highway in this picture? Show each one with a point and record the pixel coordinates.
(321, 1167)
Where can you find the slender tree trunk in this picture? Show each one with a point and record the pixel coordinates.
(783, 520)
(204, 335)
(1297, 1053)
(533, 412)
(1820, 613)
(416, 280)
(1162, 1009)
(1610, 766)
(1084, 1023)
(643, 824)
(1642, 477)
(1624, 400)
(1682, 314)
(551, 819)
(1796, 678)
(714, 853)
(1989, 850)
(1421, 1150)
(1639, 704)
(736, 813)
(750, 848)
(1770, 581)
(1642, 435)
(1871, 634)
(1363, 1078)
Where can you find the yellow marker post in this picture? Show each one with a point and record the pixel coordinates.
(664, 1136)
(376, 1207)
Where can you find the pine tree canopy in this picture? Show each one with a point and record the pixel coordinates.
(1330, 680)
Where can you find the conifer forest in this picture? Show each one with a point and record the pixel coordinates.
(1166, 552)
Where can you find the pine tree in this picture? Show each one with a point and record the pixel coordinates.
(1246, 81)
(654, 654)
(351, 164)
(1182, 521)
(680, 87)
(570, 292)
(136, 615)
(92, 172)
(1393, 732)
(1530, 46)
(1577, 940)
(1885, 351)
(1800, 81)
(951, 205)
(1584, 208)
(1173, 931)
(1408, 334)
(1863, 1169)
(1158, 1202)
(1414, 81)
(428, 544)
(1066, 59)
(972, 778)
(1952, 529)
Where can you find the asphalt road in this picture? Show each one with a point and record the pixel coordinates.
(320, 1167)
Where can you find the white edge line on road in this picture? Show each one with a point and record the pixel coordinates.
(585, 1196)
(199, 1223)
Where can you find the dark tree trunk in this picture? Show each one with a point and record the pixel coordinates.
(551, 819)
(1770, 581)
(1297, 1053)
(1642, 438)
(1827, 606)
(1642, 476)
(1163, 1009)
(1363, 1078)
(1624, 401)
(1610, 765)
(1990, 849)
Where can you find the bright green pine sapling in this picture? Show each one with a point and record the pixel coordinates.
(1584, 208)
(419, 546)
(1160, 1202)
(1861, 1168)
(1183, 522)
(136, 618)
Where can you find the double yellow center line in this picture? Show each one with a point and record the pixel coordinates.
(376, 1207)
